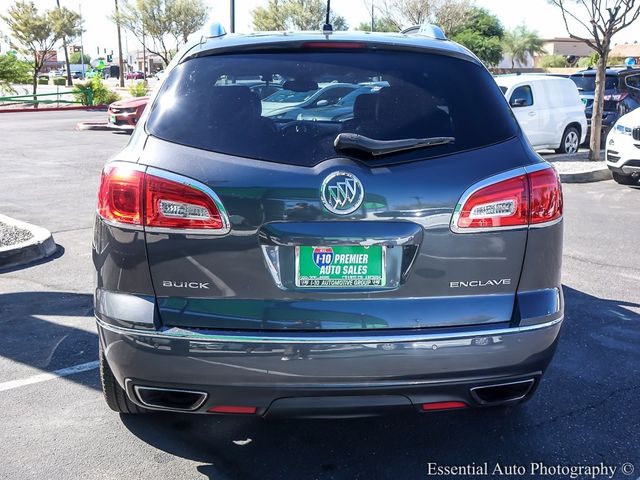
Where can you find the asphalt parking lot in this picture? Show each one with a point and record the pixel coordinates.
(58, 426)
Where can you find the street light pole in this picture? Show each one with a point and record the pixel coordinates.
(372, 17)
(81, 42)
(144, 54)
(66, 55)
(120, 60)
(232, 15)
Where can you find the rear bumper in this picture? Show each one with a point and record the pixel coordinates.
(336, 373)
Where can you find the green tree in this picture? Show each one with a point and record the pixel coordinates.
(76, 57)
(482, 33)
(379, 25)
(13, 71)
(521, 43)
(295, 15)
(448, 14)
(598, 22)
(37, 34)
(162, 26)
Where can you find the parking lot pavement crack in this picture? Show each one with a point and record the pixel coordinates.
(583, 409)
(599, 264)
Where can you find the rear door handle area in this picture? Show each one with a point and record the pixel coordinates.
(532, 114)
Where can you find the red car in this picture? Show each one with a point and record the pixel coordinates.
(124, 114)
(135, 75)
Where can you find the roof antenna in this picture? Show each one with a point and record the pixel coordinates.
(327, 28)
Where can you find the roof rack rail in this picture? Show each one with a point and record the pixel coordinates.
(426, 29)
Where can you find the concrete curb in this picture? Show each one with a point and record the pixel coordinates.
(586, 177)
(93, 126)
(37, 248)
(100, 108)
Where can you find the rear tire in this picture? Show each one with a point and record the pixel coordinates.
(570, 141)
(114, 394)
(624, 179)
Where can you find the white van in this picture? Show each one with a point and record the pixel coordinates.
(548, 109)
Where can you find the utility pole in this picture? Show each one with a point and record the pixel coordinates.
(372, 17)
(144, 54)
(120, 61)
(81, 43)
(232, 15)
(66, 55)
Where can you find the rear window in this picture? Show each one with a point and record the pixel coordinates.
(587, 83)
(216, 103)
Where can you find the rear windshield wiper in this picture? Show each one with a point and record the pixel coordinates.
(353, 141)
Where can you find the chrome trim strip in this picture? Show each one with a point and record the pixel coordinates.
(196, 406)
(453, 225)
(175, 333)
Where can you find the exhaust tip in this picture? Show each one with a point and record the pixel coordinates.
(502, 392)
(170, 398)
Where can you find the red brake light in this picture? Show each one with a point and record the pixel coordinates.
(333, 44)
(546, 196)
(119, 196)
(519, 200)
(501, 204)
(131, 196)
(170, 204)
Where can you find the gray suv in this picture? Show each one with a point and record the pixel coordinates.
(403, 255)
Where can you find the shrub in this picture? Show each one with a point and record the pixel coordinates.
(586, 62)
(138, 89)
(101, 94)
(59, 81)
(553, 61)
(43, 80)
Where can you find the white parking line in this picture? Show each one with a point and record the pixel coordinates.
(43, 377)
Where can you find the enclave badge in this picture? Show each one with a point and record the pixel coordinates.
(341, 193)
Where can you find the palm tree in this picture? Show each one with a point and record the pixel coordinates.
(520, 42)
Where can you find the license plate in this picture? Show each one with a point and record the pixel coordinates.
(112, 119)
(340, 267)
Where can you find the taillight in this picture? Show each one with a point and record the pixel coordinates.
(508, 201)
(119, 198)
(159, 200)
(546, 196)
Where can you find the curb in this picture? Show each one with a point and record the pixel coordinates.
(99, 108)
(37, 248)
(93, 126)
(586, 177)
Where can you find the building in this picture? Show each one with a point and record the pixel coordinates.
(552, 46)
(566, 47)
(135, 61)
(626, 50)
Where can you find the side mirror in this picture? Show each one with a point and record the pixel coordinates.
(518, 102)
(322, 103)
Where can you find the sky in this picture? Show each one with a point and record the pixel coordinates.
(101, 33)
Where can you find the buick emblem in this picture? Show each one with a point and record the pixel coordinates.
(341, 193)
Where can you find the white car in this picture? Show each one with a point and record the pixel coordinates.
(623, 149)
(548, 109)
